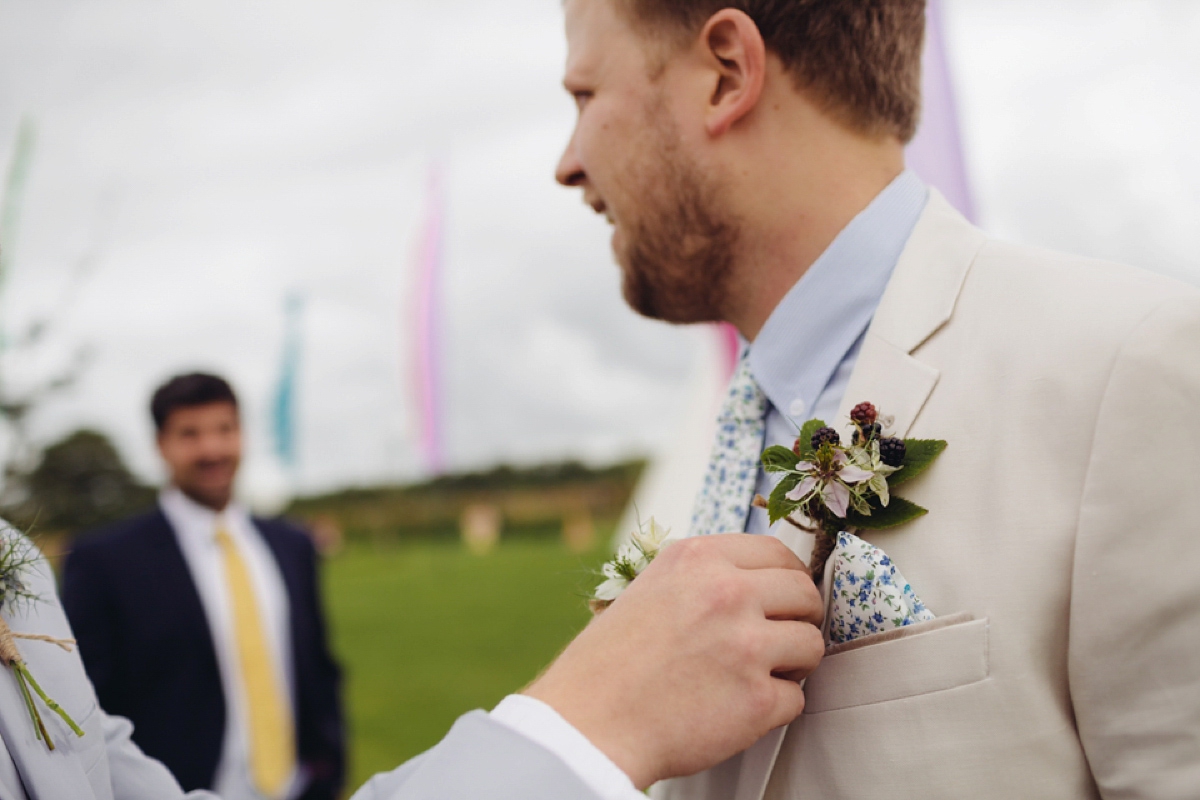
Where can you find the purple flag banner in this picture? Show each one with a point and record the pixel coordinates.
(936, 153)
(428, 325)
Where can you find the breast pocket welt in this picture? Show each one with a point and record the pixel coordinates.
(928, 657)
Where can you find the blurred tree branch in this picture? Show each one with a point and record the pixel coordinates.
(17, 405)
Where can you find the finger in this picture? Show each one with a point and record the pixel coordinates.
(753, 551)
(795, 675)
(789, 702)
(786, 594)
(793, 648)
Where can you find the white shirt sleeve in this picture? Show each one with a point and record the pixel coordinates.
(540, 723)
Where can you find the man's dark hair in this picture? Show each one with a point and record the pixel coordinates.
(186, 391)
(860, 60)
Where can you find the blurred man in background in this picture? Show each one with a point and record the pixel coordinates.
(204, 626)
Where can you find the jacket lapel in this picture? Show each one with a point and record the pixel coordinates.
(163, 555)
(896, 382)
(46, 773)
(10, 780)
(918, 301)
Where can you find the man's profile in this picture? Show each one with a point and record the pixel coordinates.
(751, 159)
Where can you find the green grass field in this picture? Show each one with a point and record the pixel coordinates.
(427, 632)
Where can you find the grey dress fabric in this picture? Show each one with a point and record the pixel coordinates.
(479, 759)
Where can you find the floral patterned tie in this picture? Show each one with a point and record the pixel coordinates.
(724, 499)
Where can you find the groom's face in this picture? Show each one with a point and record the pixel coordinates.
(633, 158)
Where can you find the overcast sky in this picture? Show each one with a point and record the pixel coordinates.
(198, 160)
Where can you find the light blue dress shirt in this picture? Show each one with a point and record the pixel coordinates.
(804, 354)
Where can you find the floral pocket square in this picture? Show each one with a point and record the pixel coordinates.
(868, 593)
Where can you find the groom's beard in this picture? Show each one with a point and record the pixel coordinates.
(679, 256)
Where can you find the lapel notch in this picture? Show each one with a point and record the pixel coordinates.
(918, 302)
(896, 382)
(929, 276)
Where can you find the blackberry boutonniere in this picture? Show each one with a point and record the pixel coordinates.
(16, 556)
(828, 487)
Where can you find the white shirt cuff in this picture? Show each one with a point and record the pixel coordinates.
(537, 721)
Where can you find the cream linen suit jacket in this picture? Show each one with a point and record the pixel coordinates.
(102, 765)
(1062, 543)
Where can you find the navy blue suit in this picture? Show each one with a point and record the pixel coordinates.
(146, 644)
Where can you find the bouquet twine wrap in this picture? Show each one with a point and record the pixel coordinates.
(823, 545)
(11, 657)
(8, 644)
(822, 550)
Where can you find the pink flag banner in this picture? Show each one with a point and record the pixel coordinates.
(731, 347)
(936, 153)
(427, 324)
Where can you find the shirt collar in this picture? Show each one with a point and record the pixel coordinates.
(195, 521)
(821, 318)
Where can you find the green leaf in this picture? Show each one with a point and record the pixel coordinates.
(779, 506)
(898, 512)
(919, 455)
(805, 437)
(779, 459)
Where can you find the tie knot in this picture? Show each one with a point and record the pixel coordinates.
(222, 534)
(744, 400)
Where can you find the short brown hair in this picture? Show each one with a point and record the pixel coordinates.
(859, 59)
(187, 391)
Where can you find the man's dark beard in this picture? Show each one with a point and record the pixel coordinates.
(678, 260)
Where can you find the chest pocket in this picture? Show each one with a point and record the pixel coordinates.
(928, 657)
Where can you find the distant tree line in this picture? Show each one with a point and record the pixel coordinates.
(81, 482)
(78, 482)
(535, 501)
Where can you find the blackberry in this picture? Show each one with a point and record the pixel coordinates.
(870, 432)
(825, 436)
(864, 414)
(891, 451)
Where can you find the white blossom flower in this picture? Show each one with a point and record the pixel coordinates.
(631, 559)
(832, 484)
(632, 555)
(651, 538)
(611, 589)
(870, 460)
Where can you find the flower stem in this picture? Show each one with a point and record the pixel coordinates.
(39, 728)
(822, 550)
(53, 706)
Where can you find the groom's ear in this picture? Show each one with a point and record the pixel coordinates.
(734, 50)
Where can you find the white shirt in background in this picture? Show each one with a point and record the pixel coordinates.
(195, 528)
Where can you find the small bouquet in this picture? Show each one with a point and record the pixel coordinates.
(16, 556)
(633, 557)
(828, 487)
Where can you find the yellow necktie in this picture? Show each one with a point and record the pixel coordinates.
(272, 741)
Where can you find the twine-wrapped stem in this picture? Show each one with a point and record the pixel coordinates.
(9, 653)
(11, 657)
(822, 547)
(822, 550)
